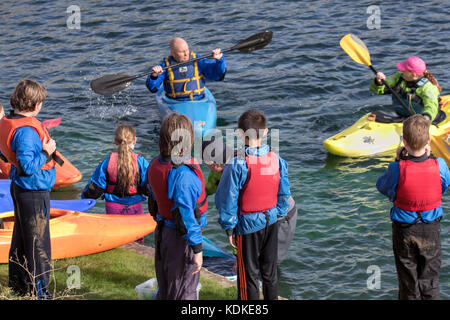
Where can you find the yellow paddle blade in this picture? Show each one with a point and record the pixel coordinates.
(356, 49)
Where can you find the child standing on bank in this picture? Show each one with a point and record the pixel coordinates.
(120, 177)
(215, 155)
(26, 144)
(179, 205)
(415, 183)
(253, 193)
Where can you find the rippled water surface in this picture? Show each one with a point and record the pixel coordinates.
(305, 84)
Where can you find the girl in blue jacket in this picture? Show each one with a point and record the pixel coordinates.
(178, 203)
(120, 178)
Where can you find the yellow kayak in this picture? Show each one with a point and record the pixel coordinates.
(440, 146)
(367, 137)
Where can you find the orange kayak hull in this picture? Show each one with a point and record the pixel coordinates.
(76, 234)
(65, 175)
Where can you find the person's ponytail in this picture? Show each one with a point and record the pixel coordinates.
(430, 77)
(124, 138)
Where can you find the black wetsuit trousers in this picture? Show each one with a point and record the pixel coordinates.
(174, 266)
(257, 257)
(417, 252)
(30, 254)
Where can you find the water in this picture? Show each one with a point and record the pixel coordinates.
(305, 84)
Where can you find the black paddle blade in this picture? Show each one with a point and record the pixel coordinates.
(111, 83)
(255, 42)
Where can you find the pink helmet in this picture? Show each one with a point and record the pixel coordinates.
(413, 64)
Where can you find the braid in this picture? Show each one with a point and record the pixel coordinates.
(430, 77)
(124, 137)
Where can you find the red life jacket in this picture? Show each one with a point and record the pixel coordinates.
(8, 129)
(419, 185)
(157, 177)
(112, 183)
(260, 191)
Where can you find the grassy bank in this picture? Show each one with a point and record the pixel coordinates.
(110, 275)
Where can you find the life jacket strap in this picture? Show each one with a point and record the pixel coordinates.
(185, 92)
(419, 218)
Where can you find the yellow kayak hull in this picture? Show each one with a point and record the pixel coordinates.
(367, 137)
(440, 146)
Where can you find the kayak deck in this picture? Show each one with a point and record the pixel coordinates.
(66, 174)
(366, 137)
(75, 233)
(202, 113)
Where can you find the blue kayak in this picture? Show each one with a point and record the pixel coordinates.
(6, 203)
(203, 113)
(210, 249)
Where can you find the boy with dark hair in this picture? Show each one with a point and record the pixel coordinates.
(252, 194)
(178, 203)
(26, 144)
(215, 155)
(415, 183)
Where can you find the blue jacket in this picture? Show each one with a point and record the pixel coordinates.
(227, 196)
(212, 69)
(184, 188)
(97, 184)
(387, 185)
(28, 148)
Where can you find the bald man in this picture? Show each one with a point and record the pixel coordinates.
(186, 82)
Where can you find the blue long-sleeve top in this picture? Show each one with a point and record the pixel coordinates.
(96, 185)
(387, 185)
(184, 189)
(28, 148)
(212, 69)
(227, 196)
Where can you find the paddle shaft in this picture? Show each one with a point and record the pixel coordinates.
(393, 92)
(112, 83)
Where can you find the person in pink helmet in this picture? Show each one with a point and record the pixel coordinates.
(415, 85)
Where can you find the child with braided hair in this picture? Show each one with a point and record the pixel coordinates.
(120, 177)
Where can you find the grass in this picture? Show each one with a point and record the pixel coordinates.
(111, 275)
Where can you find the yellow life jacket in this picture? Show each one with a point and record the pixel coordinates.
(184, 81)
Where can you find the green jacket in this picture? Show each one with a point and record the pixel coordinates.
(426, 91)
(212, 182)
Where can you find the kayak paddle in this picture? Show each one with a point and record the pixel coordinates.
(112, 83)
(51, 123)
(358, 51)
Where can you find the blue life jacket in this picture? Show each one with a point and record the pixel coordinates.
(184, 81)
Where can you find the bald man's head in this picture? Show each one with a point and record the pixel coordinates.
(179, 49)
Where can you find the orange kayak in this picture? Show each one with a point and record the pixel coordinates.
(76, 233)
(66, 174)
